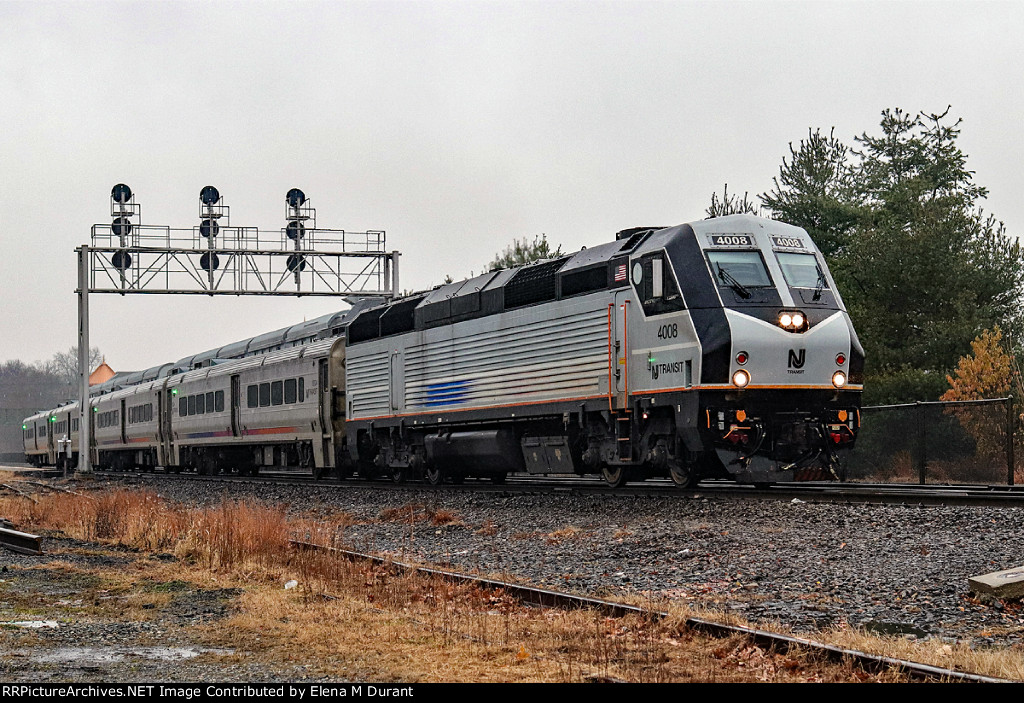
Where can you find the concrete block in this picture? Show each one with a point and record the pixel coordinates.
(1006, 584)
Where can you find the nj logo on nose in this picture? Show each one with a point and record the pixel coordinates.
(797, 358)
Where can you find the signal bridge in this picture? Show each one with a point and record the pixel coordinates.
(216, 258)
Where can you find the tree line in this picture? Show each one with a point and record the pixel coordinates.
(28, 388)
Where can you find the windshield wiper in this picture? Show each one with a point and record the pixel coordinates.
(821, 283)
(731, 281)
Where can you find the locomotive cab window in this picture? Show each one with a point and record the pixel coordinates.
(741, 271)
(655, 285)
(739, 268)
(801, 270)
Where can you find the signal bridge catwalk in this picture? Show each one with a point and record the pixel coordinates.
(126, 258)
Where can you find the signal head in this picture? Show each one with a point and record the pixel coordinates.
(121, 193)
(209, 195)
(121, 227)
(121, 260)
(209, 228)
(208, 264)
(295, 197)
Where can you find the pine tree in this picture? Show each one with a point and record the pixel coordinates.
(730, 205)
(522, 251)
(814, 190)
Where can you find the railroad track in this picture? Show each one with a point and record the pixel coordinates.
(555, 599)
(915, 494)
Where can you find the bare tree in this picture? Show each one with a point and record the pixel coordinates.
(64, 365)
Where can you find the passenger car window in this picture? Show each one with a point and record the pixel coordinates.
(219, 401)
(289, 390)
(276, 393)
(252, 396)
(264, 395)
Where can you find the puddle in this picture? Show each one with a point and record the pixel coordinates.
(110, 655)
(33, 624)
(902, 629)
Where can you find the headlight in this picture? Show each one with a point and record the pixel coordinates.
(740, 379)
(839, 379)
(792, 321)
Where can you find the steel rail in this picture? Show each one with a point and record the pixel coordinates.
(20, 542)
(556, 599)
(895, 494)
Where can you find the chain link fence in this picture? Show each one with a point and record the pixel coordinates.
(962, 442)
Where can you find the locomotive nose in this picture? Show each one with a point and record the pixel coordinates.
(768, 353)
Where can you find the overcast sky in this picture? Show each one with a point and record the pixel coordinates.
(454, 126)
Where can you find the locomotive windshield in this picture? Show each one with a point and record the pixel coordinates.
(801, 270)
(739, 269)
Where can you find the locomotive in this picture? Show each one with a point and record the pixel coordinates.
(719, 348)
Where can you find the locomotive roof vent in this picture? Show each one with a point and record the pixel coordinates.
(633, 236)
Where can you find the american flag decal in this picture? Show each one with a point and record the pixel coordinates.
(620, 273)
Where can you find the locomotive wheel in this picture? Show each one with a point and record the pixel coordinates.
(435, 476)
(398, 474)
(681, 474)
(614, 476)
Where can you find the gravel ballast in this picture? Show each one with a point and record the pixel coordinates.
(894, 569)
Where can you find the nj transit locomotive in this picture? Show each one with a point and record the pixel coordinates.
(716, 348)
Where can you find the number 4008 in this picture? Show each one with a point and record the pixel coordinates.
(668, 331)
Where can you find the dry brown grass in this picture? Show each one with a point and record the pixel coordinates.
(218, 537)
(565, 534)
(488, 529)
(370, 622)
(419, 512)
